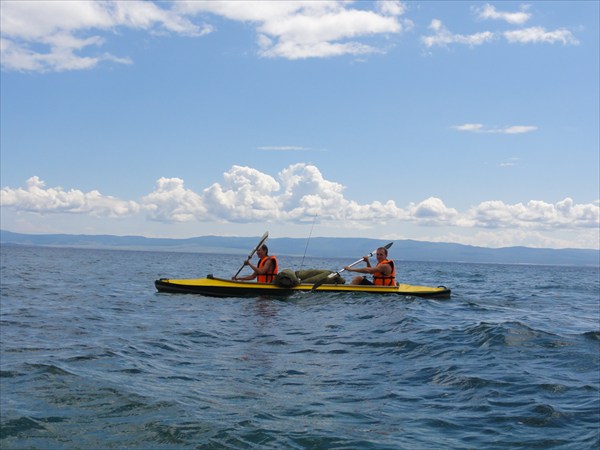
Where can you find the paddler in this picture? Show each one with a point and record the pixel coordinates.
(384, 273)
(265, 270)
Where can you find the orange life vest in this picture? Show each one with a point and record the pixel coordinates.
(269, 276)
(380, 279)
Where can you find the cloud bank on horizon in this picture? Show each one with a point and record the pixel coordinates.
(298, 194)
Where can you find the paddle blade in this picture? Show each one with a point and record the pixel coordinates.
(262, 241)
(318, 284)
(324, 280)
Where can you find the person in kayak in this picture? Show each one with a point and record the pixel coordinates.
(265, 270)
(384, 273)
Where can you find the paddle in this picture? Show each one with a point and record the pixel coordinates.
(331, 275)
(262, 241)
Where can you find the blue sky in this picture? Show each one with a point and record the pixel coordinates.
(468, 122)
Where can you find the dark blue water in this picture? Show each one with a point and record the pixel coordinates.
(92, 357)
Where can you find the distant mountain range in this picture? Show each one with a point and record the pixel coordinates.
(352, 248)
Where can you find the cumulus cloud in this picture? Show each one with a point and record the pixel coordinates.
(540, 35)
(534, 214)
(516, 129)
(246, 195)
(53, 35)
(442, 37)
(35, 197)
(172, 202)
(59, 36)
(490, 12)
(306, 29)
(480, 128)
(431, 211)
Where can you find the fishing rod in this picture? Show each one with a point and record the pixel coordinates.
(308, 240)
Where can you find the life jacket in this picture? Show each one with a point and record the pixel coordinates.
(270, 276)
(379, 279)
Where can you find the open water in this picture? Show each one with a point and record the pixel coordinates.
(92, 357)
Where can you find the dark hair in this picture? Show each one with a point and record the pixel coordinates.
(265, 248)
(384, 250)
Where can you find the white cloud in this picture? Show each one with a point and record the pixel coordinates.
(172, 202)
(534, 214)
(490, 12)
(246, 195)
(510, 163)
(283, 148)
(443, 37)
(391, 8)
(306, 29)
(517, 129)
(59, 35)
(519, 237)
(301, 193)
(298, 194)
(473, 127)
(38, 199)
(51, 35)
(480, 128)
(298, 50)
(306, 193)
(431, 211)
(540, 35)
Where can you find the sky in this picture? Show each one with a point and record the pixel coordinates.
(465, 122)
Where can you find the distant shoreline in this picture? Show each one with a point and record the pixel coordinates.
(402, 250)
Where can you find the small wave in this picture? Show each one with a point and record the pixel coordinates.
(542, 415)
(202, 335)
(450, 378)
(305, 350)
(177, 377)
(9, 374)
(276, 342)
(512, 334)
(593, 335)
(50, 369)
(389, 347)
(80, 358)
(176, 434)
(162, 346)
(337, 351)
(554, 388)
(15, 427)
(131, 371)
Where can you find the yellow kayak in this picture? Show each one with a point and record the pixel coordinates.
(219, 287)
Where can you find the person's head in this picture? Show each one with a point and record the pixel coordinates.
(263, 250)
(381, 253)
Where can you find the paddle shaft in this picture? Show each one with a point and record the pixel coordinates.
(262, 241)
(331, 275)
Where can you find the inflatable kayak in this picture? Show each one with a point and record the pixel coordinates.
(219, 287)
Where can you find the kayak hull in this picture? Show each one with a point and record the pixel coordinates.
(219, 287)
